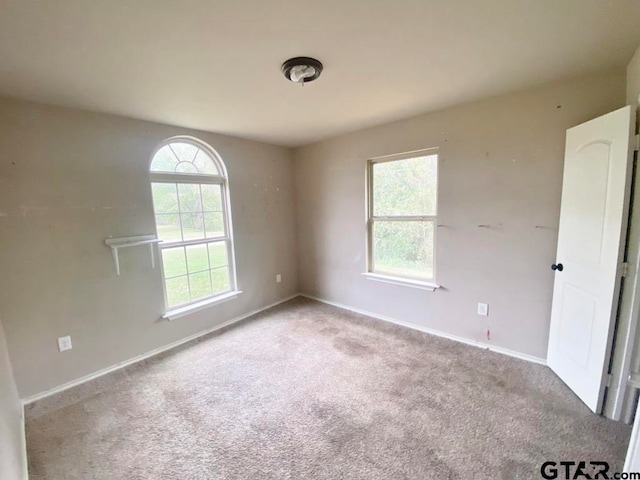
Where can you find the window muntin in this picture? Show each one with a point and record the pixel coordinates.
(402, 215)
(183, 157)
(190, 198)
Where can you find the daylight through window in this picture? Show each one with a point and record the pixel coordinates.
(191, 203)
(402, 210)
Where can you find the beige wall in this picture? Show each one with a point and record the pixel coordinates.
(633, 79)
(68, 180)
(500, 164)
(12, 454)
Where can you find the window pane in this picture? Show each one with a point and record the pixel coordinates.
(214, 223)
(165, 197)
(197, 258)
(205, 164)
(185, 152)
(168, 227)
(403, 248)
(211, 198)
(405, 187)
(192, 226)
(177, 291)
(189, 194)
(200, 284)
(173, 261)
(220, 279)
(164, 160)
(218, 254)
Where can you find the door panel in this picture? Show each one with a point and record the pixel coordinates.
(593, 221)
(578, 313)
(589, 199)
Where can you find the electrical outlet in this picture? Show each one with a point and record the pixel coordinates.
(483, 309)
(64, 343)
(278, 278)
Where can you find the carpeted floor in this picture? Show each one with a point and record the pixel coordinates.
(309, 391)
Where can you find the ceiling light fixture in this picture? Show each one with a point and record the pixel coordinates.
(302, 69)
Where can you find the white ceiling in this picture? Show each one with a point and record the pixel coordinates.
(215, 65)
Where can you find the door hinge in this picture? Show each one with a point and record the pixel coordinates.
(624, 270)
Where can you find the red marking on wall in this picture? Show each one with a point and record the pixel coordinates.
(488, 335)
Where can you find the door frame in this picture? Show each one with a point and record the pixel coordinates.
(625, 347)
(632, 461)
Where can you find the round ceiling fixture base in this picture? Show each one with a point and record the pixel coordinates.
(302, 69)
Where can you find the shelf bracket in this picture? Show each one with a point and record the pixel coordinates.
(123, 242)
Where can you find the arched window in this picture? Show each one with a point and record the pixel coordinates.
(191, 203)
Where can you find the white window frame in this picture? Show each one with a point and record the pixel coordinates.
(221, 179)
(394, 278)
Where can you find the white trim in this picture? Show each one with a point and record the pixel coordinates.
(371, 218)
(618, 404)
(144, 356)
(217, 159)
(23, 445)
(423, 152)
(198, 306)
(632, 461)
(437, 333)
(200, 179)
(432, 287)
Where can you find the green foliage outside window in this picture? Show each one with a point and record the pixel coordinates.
(404, 196)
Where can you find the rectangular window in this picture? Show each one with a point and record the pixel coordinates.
(402, 215)
(195, 250)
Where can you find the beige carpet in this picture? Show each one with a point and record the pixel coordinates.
(309, 391)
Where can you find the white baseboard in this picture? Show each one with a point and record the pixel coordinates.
(144, 356)
(437, 333)
(118, 366)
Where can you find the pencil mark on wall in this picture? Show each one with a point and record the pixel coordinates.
(493, 227)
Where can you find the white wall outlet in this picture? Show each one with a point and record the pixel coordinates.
(483, 309)
(64, 343)
(278, 278)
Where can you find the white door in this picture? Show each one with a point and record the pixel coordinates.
(591, 239)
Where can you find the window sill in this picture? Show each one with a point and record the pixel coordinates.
(431, 287)
(196, 307)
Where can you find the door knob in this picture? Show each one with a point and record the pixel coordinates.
(557, 267)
